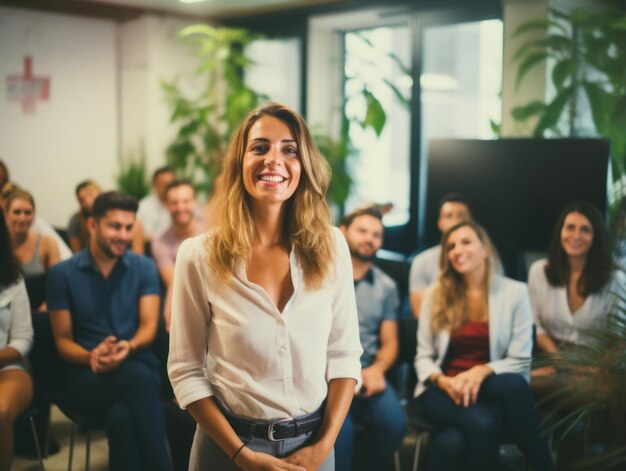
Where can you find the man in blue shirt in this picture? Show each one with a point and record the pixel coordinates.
(375, 407)
(104, 307)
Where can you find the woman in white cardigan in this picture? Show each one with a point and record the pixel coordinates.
(473, 355)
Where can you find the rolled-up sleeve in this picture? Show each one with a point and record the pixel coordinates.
(344, 345)
(21, 332)
(518, 354)
(191, 314)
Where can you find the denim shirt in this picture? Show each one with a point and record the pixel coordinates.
(101, 306)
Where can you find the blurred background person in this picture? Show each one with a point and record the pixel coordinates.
(453, 208)
(473, 356)
(39, 226)
(16, 337)
(153, 213)
(570, 290)
(180, 199)
(77, 232)
(36, 253)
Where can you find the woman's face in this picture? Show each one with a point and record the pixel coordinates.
(20, 216)
(576, 235)
(87, 196)
(271, 162)
(466, 252)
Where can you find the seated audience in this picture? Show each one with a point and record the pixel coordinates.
(153, 213)
(36, 253)
(474, 348)
(570, 291)
(104, 305)
(376, 406)
(16, 336)
(39, 225)
(180, 199)
(86, 193)
(425, 268)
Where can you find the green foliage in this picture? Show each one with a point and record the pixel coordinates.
(595, 388)
(374, 117)
(207, 122)
(589, 55)
(133, 177)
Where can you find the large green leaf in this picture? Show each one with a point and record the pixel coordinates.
(602, 104)
(541, 24)
(554, 111)
(375, 116)
(539, 45)
(562, 71)
(528, 63)
(522, 113)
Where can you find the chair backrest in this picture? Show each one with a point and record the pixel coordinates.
(48, 368)
(402, 375)
(36, 289)
(397, 267)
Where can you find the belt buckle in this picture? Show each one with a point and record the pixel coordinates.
(270, 430)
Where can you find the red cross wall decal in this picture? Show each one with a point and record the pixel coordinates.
(28, 89)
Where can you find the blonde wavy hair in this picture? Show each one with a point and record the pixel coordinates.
(449, 299)
(307, 222)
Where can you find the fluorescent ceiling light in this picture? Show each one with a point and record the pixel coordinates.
(191, 1)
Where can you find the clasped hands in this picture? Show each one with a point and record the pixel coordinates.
(308, 458)
(108, 355)
(373, 381)
(463, 388)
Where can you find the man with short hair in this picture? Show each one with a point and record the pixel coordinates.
(180, 199)
(425, 268)
(376, 406)
(103, 305)
(153, 213)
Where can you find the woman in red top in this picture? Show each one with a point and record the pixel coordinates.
(473, 356)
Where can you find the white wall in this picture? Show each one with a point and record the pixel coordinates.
(106, 101)
(74, 135)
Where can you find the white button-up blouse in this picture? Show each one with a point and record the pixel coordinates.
(552, 312)
(230, 341)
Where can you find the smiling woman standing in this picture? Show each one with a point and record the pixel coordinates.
(264, 341)
(474, 346)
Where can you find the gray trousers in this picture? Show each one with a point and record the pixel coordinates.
(206, 455)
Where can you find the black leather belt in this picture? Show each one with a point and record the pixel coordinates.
(274, 431)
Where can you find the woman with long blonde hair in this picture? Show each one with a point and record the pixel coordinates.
(473, 357)
(264, 342)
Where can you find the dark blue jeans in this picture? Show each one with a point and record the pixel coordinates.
(129, 400)
(384, 426)
(469, 438)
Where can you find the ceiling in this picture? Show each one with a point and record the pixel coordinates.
(128, 9)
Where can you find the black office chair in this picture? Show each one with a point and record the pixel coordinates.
(29, 416)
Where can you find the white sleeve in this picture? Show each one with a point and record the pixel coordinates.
(191, 314)
(21, 331)
(344, 344)
(519, 351)
(426, 358)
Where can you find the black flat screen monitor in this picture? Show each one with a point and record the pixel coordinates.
(515, 187)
